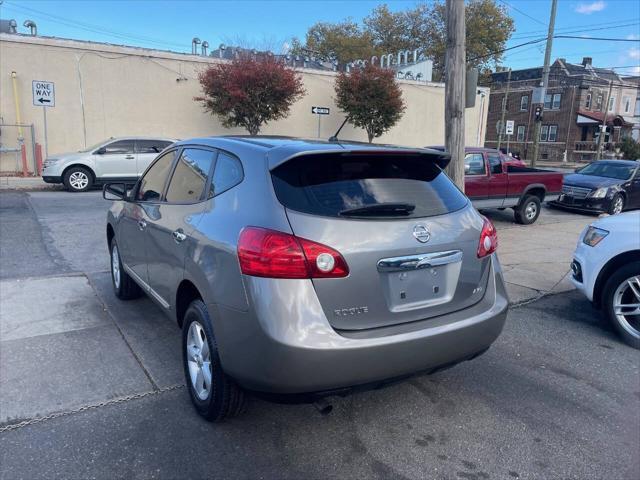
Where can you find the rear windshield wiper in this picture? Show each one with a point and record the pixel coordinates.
(380, 209)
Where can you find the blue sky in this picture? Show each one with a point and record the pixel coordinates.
(171, 25)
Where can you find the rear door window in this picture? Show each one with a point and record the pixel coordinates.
(151, 146)
(495, 164)
(191, 176)
(371, 186)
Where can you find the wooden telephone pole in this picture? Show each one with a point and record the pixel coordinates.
(545, 80)
(454, 91)
(603, 127)
(505, 101)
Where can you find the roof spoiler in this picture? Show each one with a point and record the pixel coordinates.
(441, 159)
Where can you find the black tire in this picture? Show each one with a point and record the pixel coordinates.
(124, 286)
(629, 331)
(616, 205)
(78, 179)
(224, 398)
(528, 211)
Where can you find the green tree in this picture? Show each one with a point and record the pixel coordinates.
(344, 41)
(630, 149)
(371, 98)
(489, 26)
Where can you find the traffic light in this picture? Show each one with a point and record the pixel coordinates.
(538, 114)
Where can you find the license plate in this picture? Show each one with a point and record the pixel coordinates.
(416, 288)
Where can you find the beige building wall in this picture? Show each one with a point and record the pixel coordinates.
(105, 90)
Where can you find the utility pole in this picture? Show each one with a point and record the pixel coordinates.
(604, 123)
(454, 91)
(545, 80)
(504, 110)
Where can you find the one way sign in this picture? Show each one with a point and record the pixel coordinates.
(320, 110)
(44, 93)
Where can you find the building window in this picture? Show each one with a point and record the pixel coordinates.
(587, 103)
(599, 102)
(626, 101)
(520, 133)
(547, 101)
(553, 133)
(544, 133)
(524, 103)
(612, 102)
(556, 101)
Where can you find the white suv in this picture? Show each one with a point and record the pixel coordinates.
(111, 160)
(606, 268)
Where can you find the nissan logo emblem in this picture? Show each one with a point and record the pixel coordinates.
(421, 233)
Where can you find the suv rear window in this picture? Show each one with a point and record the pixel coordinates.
(333, 184)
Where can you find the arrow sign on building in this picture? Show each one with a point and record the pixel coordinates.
(320, 110)
(44, 93)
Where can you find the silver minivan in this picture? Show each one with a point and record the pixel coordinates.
(123, 158)
(303, 269)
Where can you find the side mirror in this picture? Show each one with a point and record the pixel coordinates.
(101, 151)
(115, 191)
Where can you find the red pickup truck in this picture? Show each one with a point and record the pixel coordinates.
(493, 180)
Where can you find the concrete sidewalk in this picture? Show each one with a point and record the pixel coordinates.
(536, 258)
(27, 183)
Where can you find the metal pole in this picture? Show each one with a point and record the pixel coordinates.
(504, 110)
(33, 150)
(604, 123)
(46, 142)
(319, 125)
(508, 140)
(545, 79)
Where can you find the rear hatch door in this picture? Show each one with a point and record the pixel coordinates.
(408, 235)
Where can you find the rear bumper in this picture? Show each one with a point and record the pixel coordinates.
(290, 348)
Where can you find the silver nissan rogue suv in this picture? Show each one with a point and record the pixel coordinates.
(305, 269)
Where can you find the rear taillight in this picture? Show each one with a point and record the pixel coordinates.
(488, 239)
(273, 254)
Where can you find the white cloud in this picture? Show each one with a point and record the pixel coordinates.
(589, 8)
(634, 53)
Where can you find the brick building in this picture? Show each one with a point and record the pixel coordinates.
(578, 99)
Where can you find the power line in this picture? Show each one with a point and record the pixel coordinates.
(588, 26)
(521, 12)
(597, 38)
(91, 28)
(628, 24)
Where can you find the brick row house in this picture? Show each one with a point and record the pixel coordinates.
(576, 104)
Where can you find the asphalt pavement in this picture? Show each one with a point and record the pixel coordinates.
(100, 386)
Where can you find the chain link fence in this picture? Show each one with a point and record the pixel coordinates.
(17, 149)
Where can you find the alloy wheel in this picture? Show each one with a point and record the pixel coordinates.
(78, 180)
(115, 266)
(626, 305)
(617, 205)
(199, 360)
(531, 211)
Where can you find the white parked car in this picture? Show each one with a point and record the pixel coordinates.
(111, 160)
(606, 268)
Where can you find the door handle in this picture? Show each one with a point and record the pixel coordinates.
(142, 224)
(129, 157)
(179, 236)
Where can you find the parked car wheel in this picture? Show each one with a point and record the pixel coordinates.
(124, 286)
(214, 395)
(622, 302)
(617, 204)
(78, 179)
(528, 211)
